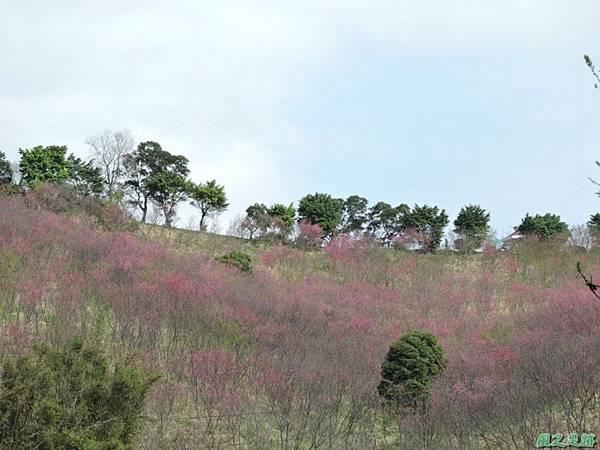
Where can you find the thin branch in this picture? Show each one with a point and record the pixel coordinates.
(588, 281)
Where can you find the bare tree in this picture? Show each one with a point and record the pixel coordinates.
(580, 237)
(108, 149)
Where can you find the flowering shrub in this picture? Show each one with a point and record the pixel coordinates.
(289, 355)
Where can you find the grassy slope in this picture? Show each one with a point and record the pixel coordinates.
(289, 355)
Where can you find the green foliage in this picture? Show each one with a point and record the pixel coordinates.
(210, 198)
(6, 172)
(545, 227)
(472, 225)
(155, 175)
(385, 221)
(68, 398)
(594, 224)
(354, 214)
(286, 215)
(239, 259)
(84, 177)
(39, 164)
(590, 64)
(321, 209)
(428, 220)
(409, 368)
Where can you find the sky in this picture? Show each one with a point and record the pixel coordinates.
(405, 101)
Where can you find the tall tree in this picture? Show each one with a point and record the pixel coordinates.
(385, 221)
(257, 220)
(354, 214)
(429, 221)
(108, 150)
(210, 198)
(544, 227)
(85, 178)
(155, 175)
(321, 209)
(168, 189)
(472, 226)
(6, 172)
(283, 217)
(40, 164)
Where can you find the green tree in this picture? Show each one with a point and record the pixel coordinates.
(594, 225)
(283, 217)
(321, 209)
(169, 188)
(6, 173)
(409, 368)
(428, 221)
(84, 177)
(354, 214)
(544, 227)
(472, 226)
(155, 175)
(257, 220)
(385, 221)
(69, 398)
(210, 198)
(39, 164)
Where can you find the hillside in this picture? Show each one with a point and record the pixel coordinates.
(289, 354)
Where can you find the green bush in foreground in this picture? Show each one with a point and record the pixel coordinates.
(409, 368)
(68, 398)
(239, 259)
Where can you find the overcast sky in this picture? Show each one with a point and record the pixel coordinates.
(406, 101)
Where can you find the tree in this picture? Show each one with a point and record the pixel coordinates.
(40, 164)
(257, 220)
(155, 175)
(6, 172)
(282, 217)
(426, 221)
(354, 214)
(84, 177)
(594, 225)
(210, 198)
(168, 189)
(544, 227)
(385, 221)
(108, 150)
(321, 209)
(67, 397)
(472, 226)
(409, 368)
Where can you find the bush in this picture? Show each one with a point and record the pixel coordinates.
(68, 398)
(409, 368)
(107, 214)
(239, 259)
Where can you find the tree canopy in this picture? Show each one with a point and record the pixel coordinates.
(39, 164)
(321, 209)
(472, 226)
(209, 198)
(155, 175)
(544, 227)
(6, 172)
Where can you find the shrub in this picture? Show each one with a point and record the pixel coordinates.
(409, 368)
(68, 398)
(239, 259)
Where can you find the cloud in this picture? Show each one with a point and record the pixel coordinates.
(214, 80)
